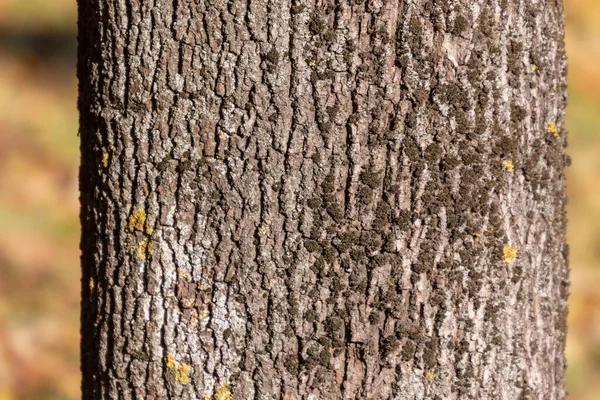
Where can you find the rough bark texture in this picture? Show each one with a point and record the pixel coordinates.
(305, 199)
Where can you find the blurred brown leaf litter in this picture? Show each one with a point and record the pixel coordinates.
(39, 228)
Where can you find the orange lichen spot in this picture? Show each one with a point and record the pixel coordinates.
(92, 284)
(183, 373)
(551, 128)
(509, 253)
(145, 249)
(223, 393)
(339, 376)
(508, 165)
(105, 158)
(430, 375)
(170, 362)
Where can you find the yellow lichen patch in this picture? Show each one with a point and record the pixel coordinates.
(183, 373)
(149, 325)
(477, 234)
(138, 222)
(551, 128)
(182, 370)
(145, 249)
(509, 253)
(430, 375)
(508, 165)
(223, 393)
(535, 69)
(262, 230)
(204, 314)
(313, 63)
(185, 275)
(170, 362)
(194, 321)
(92, 284)
(105, 158)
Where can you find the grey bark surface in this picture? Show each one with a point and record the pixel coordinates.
(304, 199)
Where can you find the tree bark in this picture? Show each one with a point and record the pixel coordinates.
(305, 199)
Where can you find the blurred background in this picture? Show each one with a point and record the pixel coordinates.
(39, 227)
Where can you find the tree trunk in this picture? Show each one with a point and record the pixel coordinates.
(305, 199)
